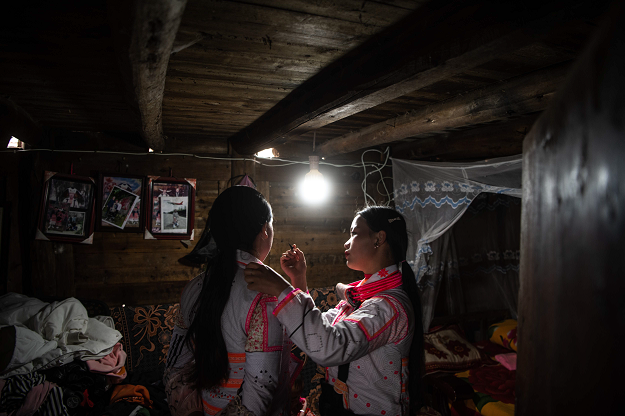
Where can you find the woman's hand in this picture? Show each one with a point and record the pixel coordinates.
(264, 279)
(293, 264)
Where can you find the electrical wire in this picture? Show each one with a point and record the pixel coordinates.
(255, 160)
(378, 169)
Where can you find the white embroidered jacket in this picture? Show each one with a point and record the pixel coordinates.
(375, 339)
(254, 339)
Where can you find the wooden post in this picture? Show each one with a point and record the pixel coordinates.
(144, 33)
(571, 309)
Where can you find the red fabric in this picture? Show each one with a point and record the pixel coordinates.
(496, 381)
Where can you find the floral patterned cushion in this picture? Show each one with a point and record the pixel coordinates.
(146, 333)
(446, 349)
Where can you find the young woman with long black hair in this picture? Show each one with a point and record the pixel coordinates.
(372, 342)
(226, 345)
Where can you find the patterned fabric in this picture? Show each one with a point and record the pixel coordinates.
(494, 390)
(446, 349)
(504, 334)
(146, 334)
(15, 394)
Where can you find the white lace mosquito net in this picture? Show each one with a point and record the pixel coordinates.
(433, 197)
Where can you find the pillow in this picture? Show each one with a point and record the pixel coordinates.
(504, 333)
(446, 349)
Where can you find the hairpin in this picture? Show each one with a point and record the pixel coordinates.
(393, 219)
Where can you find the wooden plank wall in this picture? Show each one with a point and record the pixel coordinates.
(571, 310)
(117, 268)
(123, 268)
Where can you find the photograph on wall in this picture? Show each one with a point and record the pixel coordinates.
(171, 208)
(66, 212)
(74, 194)
(131, 183)
(118, 207)
(56, 218)
(174, 214)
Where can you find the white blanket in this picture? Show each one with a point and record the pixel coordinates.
(53, 334)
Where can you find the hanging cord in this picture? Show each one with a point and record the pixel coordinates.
(377, 169)
(150, 154)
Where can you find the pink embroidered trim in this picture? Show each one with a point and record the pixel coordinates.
(266, 346)
(362, 327)
(286, 300)
(298, 368)
(405, 314)
(342, 313)
(250, 313)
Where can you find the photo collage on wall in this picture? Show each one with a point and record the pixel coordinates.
(67, 207)
(72, 205)
(120, 203)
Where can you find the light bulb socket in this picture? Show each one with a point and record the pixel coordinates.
(314, 162)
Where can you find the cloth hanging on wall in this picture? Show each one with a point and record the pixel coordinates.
(432, 197)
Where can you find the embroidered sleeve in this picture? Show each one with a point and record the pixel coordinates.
(382, 319)
(325, 344)
(376, 323)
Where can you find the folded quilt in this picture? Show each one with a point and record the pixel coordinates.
(53, 334)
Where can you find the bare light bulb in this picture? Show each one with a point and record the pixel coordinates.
(314, 188)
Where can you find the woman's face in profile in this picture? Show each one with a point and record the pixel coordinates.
(359, 249)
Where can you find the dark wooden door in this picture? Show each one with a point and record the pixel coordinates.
(572, 299)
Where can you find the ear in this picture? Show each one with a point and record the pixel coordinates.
(263, 232)
(381, 238)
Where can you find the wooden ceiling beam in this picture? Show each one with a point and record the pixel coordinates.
(15, 121)
(144, 32)
(437, 41)
(489, 141)
(522, 95)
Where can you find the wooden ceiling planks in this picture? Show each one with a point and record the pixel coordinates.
(237, 60)
(458, 35)
(235, 72)
(57, 62)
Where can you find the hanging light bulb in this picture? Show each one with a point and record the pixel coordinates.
(314, 188)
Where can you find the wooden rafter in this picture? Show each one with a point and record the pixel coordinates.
(144, 33)
(436, 42)
(492, 140)
(519, 96)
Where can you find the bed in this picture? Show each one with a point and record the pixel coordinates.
(470, 379)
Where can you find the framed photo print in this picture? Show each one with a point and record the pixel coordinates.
(171, 208)
(118, 203)
(67, 209)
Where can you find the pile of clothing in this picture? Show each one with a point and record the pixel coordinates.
(55, 360)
